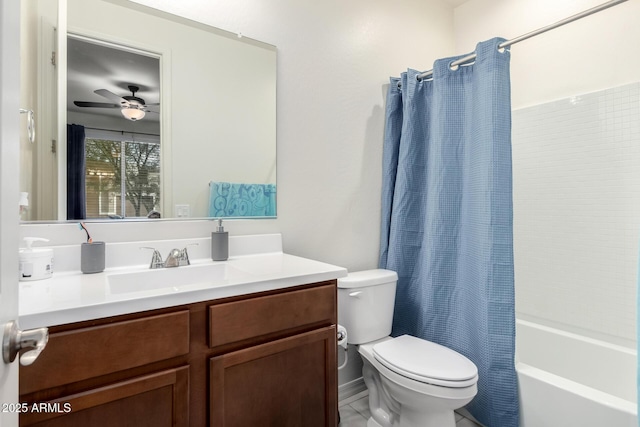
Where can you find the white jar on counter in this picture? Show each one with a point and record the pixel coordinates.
(35, 263)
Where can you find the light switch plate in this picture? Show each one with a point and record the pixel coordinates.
(183, 211)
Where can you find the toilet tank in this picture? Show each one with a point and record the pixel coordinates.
(365, 304)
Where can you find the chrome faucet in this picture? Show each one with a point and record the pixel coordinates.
(176, 258)
(156, 258)
(184, 255)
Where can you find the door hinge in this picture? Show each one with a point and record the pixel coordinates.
(53, 146)
(53, 58)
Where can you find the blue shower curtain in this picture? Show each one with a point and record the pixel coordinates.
(447, 213)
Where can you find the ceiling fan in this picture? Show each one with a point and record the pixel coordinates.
(132, 107)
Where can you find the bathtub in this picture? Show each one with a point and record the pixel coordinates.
(570, 380)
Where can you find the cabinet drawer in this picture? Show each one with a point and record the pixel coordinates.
(85, 353)
(240, 320)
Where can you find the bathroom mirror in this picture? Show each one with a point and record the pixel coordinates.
(211, 119)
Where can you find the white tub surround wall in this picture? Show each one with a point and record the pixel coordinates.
(127, 285)
(573, 181)
(576, 213)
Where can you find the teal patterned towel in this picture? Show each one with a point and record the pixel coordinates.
(227, 199)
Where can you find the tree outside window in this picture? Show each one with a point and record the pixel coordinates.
(109, 181)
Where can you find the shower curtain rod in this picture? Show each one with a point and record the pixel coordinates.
(508, 43)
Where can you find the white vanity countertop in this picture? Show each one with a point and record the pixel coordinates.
(71, 296)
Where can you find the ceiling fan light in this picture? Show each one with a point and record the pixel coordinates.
(132, 114)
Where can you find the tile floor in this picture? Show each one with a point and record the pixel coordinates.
(354, 412)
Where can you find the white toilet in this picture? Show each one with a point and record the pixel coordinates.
(412, 382)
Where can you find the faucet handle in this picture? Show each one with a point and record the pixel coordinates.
(184, 255)
(156, 258)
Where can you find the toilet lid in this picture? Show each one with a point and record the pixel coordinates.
(426, 361)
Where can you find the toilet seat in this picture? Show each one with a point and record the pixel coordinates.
(426, 362)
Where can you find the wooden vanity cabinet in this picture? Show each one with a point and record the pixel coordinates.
(121, 371)
(277, 361)
(265, 359)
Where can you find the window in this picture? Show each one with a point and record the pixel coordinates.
(122, 174)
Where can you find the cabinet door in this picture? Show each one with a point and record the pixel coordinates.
(155, 400)
(291, 382)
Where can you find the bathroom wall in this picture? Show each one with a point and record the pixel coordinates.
(334, 60)
(576, 210)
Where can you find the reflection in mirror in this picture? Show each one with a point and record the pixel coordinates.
(113, 141)
(38, 77)
(209, 147)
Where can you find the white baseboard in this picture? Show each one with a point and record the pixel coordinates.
(351, 388)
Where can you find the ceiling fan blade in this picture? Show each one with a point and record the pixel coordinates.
(95, 104)
(155, 103)
(112, 96)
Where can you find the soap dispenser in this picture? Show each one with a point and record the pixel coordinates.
(35, 263)
(219, 243)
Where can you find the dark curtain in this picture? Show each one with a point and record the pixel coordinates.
(76, 195)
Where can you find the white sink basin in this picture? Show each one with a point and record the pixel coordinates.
(177, 278)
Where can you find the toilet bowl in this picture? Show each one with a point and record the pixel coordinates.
(412, 382)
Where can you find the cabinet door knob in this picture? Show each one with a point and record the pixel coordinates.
(15, 340)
